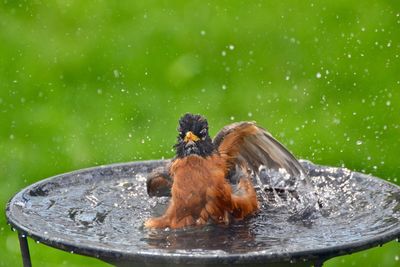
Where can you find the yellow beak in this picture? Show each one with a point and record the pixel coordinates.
(191, 137)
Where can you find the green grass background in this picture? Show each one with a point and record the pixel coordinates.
(84, 83)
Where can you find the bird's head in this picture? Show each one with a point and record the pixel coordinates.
(193, 137)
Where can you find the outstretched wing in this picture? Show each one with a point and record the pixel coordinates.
(246, 144)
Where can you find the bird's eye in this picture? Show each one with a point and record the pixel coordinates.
(203, 132)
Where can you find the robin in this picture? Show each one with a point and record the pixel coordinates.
(210, 181)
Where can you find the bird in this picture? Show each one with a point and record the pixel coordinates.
(210, 180)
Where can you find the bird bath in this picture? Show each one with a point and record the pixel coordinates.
(99, 212)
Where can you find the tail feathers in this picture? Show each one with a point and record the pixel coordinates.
(244, 200)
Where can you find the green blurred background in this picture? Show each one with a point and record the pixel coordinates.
(84, 83)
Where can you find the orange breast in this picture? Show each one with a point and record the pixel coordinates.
(200, 193)
(196, 179)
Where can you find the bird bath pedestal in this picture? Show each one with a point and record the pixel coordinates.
(99, 212)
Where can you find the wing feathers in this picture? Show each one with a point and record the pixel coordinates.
(245, 143)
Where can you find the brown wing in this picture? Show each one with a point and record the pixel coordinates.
(159, 181)
(246, 144)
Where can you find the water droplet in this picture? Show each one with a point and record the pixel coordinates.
(318, 75)
(223, 87)
(396, 258)
(250, 114)
(231, 47)
(232, 118)
(223, 53)
(99, 91)
(202, 32)
(336, 121)
(359, 142)
(116, 73)
(388, 103)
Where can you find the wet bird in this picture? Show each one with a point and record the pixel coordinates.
(210, 181)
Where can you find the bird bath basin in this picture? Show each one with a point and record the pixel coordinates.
(99, 212)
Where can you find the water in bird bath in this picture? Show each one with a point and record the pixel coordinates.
(104, 209)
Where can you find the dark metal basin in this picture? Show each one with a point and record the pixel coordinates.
(99, 212)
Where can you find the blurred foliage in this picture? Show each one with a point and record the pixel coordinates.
(84, 83)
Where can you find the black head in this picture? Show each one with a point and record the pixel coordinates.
(193, 137)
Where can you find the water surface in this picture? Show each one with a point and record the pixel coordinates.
(104, 209)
